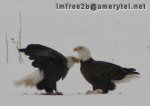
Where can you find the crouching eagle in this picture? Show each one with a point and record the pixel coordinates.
(52, 67)
(100, 74)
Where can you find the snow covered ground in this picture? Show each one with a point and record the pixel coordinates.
(121, 37)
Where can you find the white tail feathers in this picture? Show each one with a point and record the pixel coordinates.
(30, 80)
(128, 78)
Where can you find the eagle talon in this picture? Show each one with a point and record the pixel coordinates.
(89, 92)
(48, 93)
(97, 91)
(58, 93)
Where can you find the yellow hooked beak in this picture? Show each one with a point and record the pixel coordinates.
(77, 60)
(77, 49)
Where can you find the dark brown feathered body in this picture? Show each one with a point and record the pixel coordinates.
(50, 62)
(101, 74)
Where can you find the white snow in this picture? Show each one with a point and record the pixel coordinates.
(121, 37)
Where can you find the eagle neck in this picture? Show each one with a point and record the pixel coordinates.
(70, 63)
(89, 60)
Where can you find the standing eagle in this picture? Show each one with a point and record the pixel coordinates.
(100, 74)
(52, 67)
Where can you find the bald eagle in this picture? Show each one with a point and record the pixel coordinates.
(52, 66)
(100, 74)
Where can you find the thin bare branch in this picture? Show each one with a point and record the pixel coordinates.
(7, 49)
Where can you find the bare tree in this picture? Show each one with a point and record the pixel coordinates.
(20, 30)
(16, 42)
(7, 49)
(113, 60)
(19, 42)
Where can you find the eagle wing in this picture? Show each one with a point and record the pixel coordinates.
(43, 56)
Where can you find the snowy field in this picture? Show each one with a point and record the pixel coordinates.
(121, 37)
